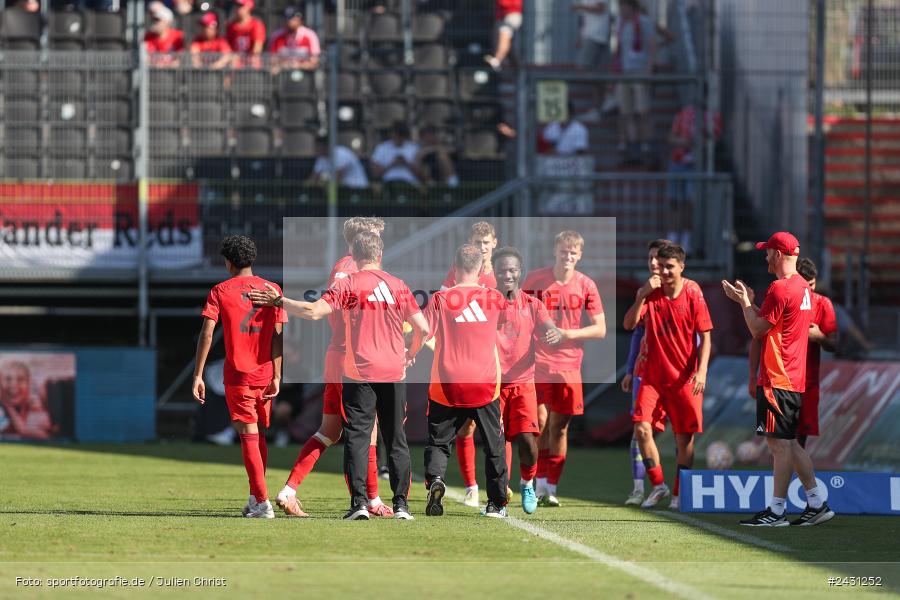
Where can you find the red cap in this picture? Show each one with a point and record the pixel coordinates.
(209, 18)
(783, 241)
(245, 3)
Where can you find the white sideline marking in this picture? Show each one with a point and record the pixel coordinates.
(718, 530)
(635, 570)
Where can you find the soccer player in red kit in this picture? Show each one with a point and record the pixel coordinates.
(674, 373)
(253, 346)
(330, 430)
(782, 325)
(568, 295)
(484, 237)
(375, 305)
(525, 320)
(465, 380)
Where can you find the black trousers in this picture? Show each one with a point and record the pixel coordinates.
(362, 401)
(443, 423)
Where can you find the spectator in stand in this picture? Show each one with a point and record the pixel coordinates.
(184, 7)
(162, 40)
(348, 169)
(433, 160)
(31, 6)
(394, 160)
(567, 138)
(635, 54)
(245, 33)
(682, 140)
(593, 50)
(210, 49)
(295, 46)
(508, 14)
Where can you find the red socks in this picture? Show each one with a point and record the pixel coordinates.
(253, 462)
(656, 475)
(527, 472)
(543, 457)
(555, 464)
(465, 454)
(263, 451)
(306, 460)
(372, 476)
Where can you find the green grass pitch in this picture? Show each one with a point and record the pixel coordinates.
(173, 511)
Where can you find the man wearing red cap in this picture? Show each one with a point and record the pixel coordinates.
(782, 325)
(208, 41)
(246, 34)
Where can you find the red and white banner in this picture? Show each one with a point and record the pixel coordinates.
(86, 225)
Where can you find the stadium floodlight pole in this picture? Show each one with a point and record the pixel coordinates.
(864, 257)
(818, 217)
(142, 171)
(334, 68)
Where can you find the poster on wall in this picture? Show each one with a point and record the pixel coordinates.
(37, 395)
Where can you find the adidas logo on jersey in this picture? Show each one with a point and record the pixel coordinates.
(472, 314)
(382, 293)
(759, 429)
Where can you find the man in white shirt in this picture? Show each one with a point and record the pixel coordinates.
(593, 47)
(348, 171)
(569, 137)
(395, 159)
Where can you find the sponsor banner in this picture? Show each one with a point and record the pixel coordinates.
(37, 395)
(847, 493)
(81, 225)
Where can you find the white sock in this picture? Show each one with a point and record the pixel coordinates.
(529, 483)
(472, 488)
(551, 489)
(287, 491)
(777, 506)
(542, 483)
(376, 501)
(639, 485)
(813, 498)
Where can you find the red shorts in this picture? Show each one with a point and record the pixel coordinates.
(684, 410)
(247, 405)
(561, 392)
(333, 372)
(809, 413)
(518, 407)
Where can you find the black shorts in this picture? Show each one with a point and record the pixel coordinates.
(777, 413)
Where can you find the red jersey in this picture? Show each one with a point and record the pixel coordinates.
(242, 36)
(641, 359)
(566, 303)
(375, 304)
(217, 45)
(172, 41)
(517, 337)
(303, 43)
(484, 279)
(466, 368)
(342, 269)
(506, 7)
(788, 307)
(670, 329)
(823, 316)
(248, 329)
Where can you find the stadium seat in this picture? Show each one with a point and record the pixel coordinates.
(386, 83)
(257, 112)
(164, 84)
(385, 27)
(22, 83)
(350, 114)
(294, 113)
(21, 168)
(299, 143)
(118, 169)
(254, 142)
(67, 140)
(67, 168)
(351, 27)
(437, 113)
(109, 82)
(66, 30)
(63, 84)
(250, 84)
(201, 83)
(350, 56)
(207, 141)
(432, 86)
(117, 110)
(385, 114)
(348, 86)
(106, 30)
(482, 114)
(164, 113)
(355, 140)
(477, 84)
(113, 141)
(21, 140)
(427, 27)
(165, 142)
(431, 57)
(386, 56)
(20, 29)
(205, 111)
(67, 110)
(296, 84)
(20, 110)
(481, 144)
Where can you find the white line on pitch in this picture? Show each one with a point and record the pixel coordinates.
(635, 570)
(723, 531)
